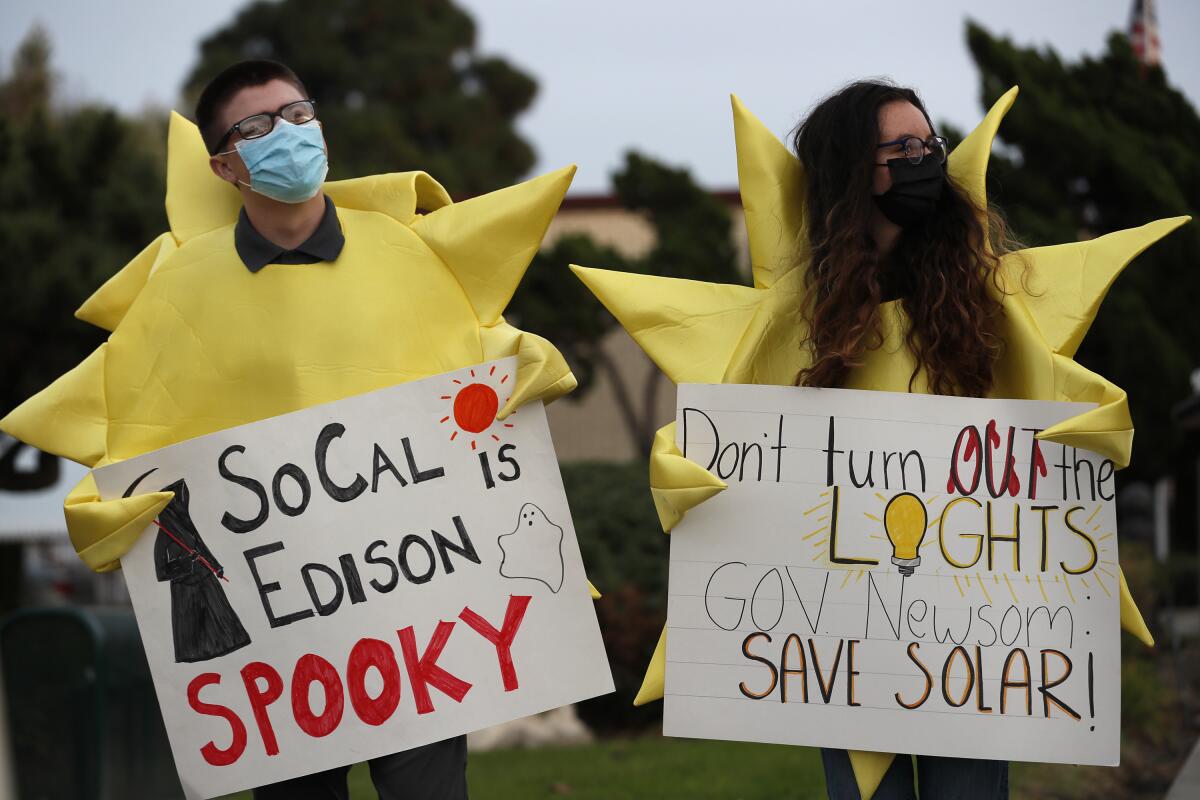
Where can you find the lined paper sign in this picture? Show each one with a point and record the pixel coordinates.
(894, 572)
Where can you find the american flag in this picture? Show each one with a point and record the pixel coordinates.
(1143, 33)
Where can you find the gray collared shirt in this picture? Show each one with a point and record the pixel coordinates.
(256, 252)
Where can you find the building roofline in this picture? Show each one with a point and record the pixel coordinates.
(586, 201)
(596, 201)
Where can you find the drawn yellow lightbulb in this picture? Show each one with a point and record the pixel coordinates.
(905, 519)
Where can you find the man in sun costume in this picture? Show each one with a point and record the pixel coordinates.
(700, 332)
(199, 343)
(203, 339)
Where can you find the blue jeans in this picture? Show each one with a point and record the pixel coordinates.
(938, 778)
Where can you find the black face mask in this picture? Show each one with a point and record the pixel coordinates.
(915, 191)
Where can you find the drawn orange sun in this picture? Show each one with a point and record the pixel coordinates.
(473, 406)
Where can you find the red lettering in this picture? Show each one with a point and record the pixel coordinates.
(1036, 468)
(423, 670)
(213, 754)
(369, 653)
(502, 638)
(1009, 482)
(968, 442)
(260, 698)
(310, 669)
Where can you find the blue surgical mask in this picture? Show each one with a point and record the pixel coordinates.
(288, 164)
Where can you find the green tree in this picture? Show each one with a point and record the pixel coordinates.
(692, 240)
(399, 86)
(1096, 146)
(80, 193)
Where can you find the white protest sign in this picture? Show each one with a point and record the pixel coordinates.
(358, 578)
(897, 573)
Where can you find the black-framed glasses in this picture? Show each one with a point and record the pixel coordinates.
(258, 125)
(915, 150)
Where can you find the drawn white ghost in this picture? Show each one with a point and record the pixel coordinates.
(534, 549)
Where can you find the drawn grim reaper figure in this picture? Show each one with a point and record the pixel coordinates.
(203, 623)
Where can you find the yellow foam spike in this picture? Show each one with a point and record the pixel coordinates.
(400, 195)
(693, 336)
(1106, 429)
(1069, 281)
(677, 484)
(653, 684)
(772, 189)
(967, 164)
(108, 304)
(488, 241)
(869, 769)
(69, 417)
(197, 200)
(104, 530)
(542, 372)
(1131, 616)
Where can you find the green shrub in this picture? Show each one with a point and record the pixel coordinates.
(625, 552)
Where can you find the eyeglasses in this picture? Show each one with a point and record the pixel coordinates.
(915, 150)
(258, 125)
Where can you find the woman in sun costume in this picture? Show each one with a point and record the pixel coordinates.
(199, 343)
(699, 332)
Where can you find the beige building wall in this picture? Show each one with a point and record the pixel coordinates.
(591, 427)
(628, 233)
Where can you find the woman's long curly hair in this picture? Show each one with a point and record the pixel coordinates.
(943, 266)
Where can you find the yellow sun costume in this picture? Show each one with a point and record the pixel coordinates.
(700, 332)
(199, 343)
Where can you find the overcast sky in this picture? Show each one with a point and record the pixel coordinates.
(654, 75)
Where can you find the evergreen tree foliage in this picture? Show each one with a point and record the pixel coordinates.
(399, 86)
(1091, 147)
(81, 192)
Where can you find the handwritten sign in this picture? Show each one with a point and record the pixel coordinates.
(894, 572)
(358, 578)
